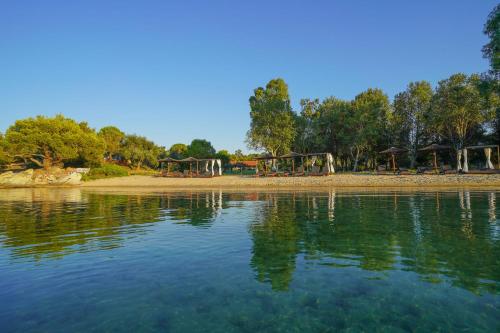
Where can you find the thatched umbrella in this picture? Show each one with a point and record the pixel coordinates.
(292, 155)
(434, 148)
(393, 151)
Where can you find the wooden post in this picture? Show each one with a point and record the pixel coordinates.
(190, 169)
(393, 164)
(197, 167)
(435, 161)
(498, 157)
(293, 166)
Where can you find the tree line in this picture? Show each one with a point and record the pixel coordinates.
(460, 110)
(60, 141)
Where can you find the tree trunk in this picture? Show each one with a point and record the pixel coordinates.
(47, 162)
(356, 159)
(413, 157)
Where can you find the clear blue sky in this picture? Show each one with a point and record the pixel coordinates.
(174, 71)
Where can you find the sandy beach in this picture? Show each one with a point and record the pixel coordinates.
(337, 180)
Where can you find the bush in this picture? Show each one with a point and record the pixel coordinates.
(106, 171)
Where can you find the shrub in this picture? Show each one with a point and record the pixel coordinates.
(106, 171)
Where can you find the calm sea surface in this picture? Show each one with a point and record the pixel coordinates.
(77, 261)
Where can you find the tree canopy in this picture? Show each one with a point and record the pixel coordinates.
(491, 50)
(200, 148)
(458, 108)
(178, 150)
(139, 151)
(112, 137)
(272, 125)
(411, 109)
(45, 141)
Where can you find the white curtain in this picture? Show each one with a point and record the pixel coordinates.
(487, 152)
(329, 160)
(219, 163)
(206, 166)
(313, 160)
(466, 162)
(212, 167)
(459, 160)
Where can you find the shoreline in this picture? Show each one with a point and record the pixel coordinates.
(340, 180)
(336, 180)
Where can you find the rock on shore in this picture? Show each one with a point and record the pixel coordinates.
(32, 177)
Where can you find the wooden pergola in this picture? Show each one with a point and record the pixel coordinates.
(393, 151)
(314, 155)
(292, 155)
(265, 158)
(189, 160)
(434, 148)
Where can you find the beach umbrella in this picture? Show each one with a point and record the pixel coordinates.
(434, 148)
(393, 151)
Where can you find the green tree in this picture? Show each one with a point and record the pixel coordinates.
(178, 151)
(305, 132)
(332, 129)
(4, 157)
(224, 156)
(411, 107)
(200, 148)
(491, 50)
(112, 137)
(140, 151)
(459, 108)
(272, 121)
(45, 141)
(369, 123)
(91, 153)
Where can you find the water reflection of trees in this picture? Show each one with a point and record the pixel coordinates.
(452, 236)
(45, 223)
(199, 209)
(434, 235)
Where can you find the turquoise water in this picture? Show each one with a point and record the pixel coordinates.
(332, 261)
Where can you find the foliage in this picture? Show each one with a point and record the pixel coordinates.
(491, 50)
(106, 171)
(200, 148)
(178, 151)
(45, 141)
(112, 137)
(411, 108)
(4, 158)
(272, 119)
(224, 156)
(459, 108)
(368, 123)
(139, 151)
